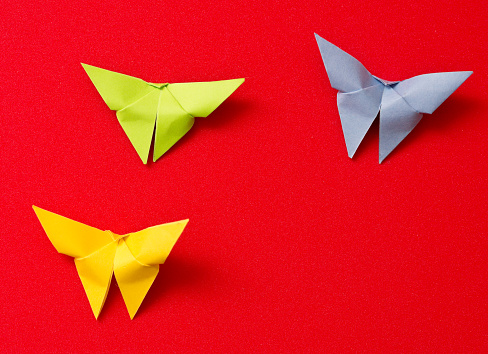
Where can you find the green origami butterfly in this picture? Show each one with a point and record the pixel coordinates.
(169, 108)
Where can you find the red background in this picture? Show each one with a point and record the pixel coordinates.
(291, 245)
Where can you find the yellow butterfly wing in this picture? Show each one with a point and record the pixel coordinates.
(93, 250)
(138, 257)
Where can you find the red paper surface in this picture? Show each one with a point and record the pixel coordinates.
(291, 245)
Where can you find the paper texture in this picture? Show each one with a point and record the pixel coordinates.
(133, 258)
(400, 104)
(169, 110)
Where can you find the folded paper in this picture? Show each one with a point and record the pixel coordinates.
(133, 258)
(400, 104)
(169, 110)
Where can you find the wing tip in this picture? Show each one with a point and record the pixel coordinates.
(238, 81)
(143, 156)
(352, 147)
(38, 210)
(468, 74)
(182, 222)
(133, 309)
(157, 154)
(87, 67)
(325, 44)
(463, 75)
(90, 70)
(185, 221)
(181, 225)
(384, 154)
(351, 150)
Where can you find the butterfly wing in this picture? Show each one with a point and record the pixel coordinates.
(180, 103)
(71, 237)
(134, 100)
(358, 110)
(425, 93)
(360, 93)
(134, 278)
(345, 72)
(92, 248)
(137, 260)
(397, 120)
(404, 103)
(153, 245)
(95, 272)
(117, 90)
(172, 123)
(138, 121)
(199, 99)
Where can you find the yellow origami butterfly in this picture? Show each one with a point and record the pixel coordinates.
(133, 258)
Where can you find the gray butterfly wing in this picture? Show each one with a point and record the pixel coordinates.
(425, 93)
(345, 72)
(360, 93)
(397, 120)
(403, 104)
(358, 110)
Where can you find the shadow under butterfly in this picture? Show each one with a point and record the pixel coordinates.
(400, 104)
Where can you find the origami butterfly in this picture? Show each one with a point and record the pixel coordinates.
(400, 104)
(133, 258)
(170, 109)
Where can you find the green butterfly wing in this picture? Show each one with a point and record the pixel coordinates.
(134, 100)
(200, 99)
(172, 123)
(117, 90)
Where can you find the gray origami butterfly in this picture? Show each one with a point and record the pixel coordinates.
(400, 104)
